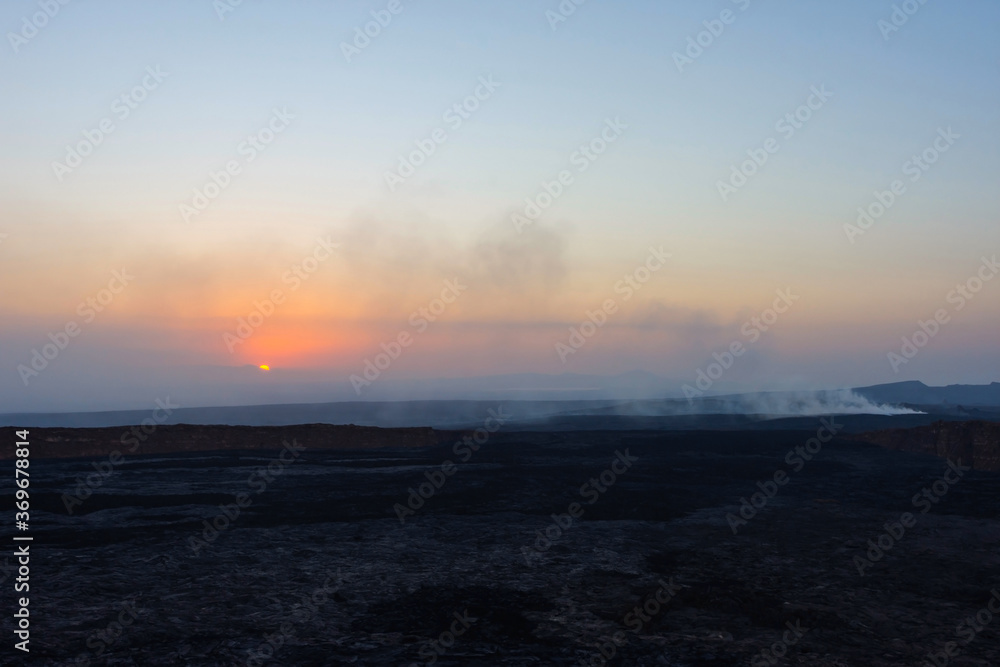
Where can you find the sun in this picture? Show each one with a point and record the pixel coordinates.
(264, 367)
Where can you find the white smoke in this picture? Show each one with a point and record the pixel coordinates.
(765, 405)
(813, 404)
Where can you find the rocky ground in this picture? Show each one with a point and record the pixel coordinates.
(308, 562)
(152, 438)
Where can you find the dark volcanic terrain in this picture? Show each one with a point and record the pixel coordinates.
(102, 442)
(134, 577)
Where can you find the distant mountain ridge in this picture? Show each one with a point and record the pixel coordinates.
(915, 392)
(976, 401)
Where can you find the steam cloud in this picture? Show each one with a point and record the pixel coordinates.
(771, 404)
(814, 403)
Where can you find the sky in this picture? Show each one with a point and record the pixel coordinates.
(491, 188)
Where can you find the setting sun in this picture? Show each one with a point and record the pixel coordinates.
(265, 367)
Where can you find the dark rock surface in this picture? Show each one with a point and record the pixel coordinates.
(101, 442)
(324, 527)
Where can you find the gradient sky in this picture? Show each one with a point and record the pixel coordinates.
(656, 186)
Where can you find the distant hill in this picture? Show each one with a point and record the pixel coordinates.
(388, 414)
(979, 402)
(918, 393)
